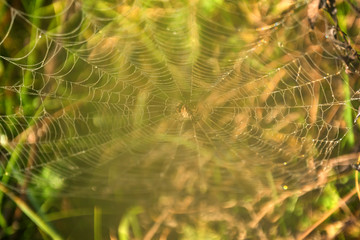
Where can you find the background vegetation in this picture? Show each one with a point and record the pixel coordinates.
(171, 119)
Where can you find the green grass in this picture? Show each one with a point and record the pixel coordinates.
(157, 177)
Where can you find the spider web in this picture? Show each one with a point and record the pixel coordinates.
(151, 97)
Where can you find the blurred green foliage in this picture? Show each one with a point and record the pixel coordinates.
(125, 216)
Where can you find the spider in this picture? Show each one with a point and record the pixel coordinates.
(184, 111)
(187, 112)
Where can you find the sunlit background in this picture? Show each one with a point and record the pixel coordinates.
(179, 119)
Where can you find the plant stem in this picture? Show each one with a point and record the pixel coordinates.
(30, 213)
(357, 183)
(326, 215)
(97, 223)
